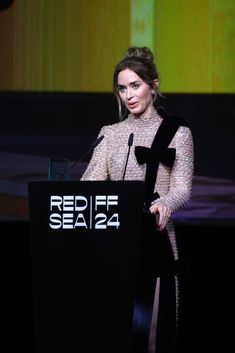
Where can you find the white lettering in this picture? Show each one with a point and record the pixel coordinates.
(77, 200)
(75, 211)
(68, 203)
(112, 201)
(100, 200)
(67, 220)
(81, 223)
(56, 201)
(55, 219)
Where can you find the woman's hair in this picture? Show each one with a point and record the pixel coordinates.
(141, 61)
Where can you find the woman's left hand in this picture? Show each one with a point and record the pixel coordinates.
(163, 213)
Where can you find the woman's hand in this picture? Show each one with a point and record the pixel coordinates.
(162, 213)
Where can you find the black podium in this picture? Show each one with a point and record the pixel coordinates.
(85, 238)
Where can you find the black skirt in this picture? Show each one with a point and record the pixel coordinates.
(156, 263)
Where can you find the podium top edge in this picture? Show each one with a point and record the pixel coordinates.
(86, 181)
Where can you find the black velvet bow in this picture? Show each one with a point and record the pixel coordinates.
(165, 156)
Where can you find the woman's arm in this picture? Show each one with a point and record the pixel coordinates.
(182, 171)
(180, 180)
(97, 167)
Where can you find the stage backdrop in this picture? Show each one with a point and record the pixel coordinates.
(56, 63)
(73, 45)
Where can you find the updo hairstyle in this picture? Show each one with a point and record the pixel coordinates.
(141, 61)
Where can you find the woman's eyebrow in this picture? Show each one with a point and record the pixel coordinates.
(130, 83)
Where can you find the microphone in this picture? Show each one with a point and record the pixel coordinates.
(93, 145)
(130, 143)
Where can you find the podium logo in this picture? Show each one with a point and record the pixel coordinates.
(78, 211)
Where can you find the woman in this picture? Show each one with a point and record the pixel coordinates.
(161, 155)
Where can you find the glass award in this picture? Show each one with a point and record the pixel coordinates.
(58, 169)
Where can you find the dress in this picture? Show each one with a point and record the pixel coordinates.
(172, 185)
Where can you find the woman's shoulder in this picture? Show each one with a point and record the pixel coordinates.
(179, 127)
(113, 128)
(174, 119)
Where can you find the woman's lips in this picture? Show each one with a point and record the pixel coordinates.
(132, 105)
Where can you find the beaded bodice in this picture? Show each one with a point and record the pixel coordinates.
(109, 158)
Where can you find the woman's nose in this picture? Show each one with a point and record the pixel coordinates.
(129, 93)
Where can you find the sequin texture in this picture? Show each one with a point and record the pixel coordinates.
(172, 184)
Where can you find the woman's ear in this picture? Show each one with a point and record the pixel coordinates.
(155, 86)
(155, 83)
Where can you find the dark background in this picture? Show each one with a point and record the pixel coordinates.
(35, 126)
(70, 121)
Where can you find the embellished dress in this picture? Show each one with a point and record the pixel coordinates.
(171, 185)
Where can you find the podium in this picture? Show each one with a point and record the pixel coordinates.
(85, 239)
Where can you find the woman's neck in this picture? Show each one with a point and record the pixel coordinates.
(146, 114)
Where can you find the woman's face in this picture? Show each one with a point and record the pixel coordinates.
(134, 92)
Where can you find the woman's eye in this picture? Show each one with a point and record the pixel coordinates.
(121, 89)
(136, 85)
